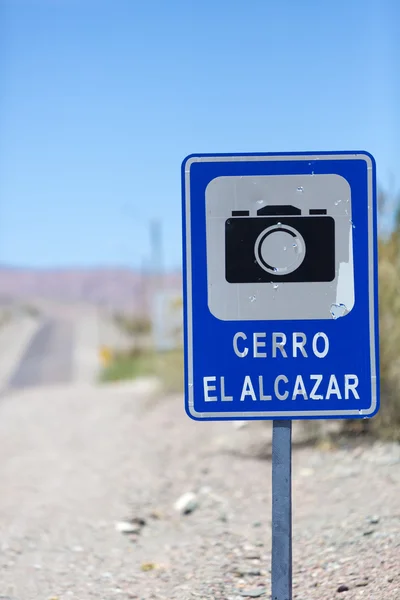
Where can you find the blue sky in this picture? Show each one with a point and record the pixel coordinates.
(101, 100)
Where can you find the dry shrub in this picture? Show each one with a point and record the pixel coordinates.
(133, 325)
(387, 422)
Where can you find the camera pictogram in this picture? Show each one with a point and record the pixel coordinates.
(280, 244)
(279, 247)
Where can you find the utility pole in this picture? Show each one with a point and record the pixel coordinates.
(143, 293)
(157, 251)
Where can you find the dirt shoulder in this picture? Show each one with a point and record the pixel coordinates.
(76, 462)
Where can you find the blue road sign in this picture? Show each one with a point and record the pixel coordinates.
(280, 286)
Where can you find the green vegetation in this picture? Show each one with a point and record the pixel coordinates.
(170, 370)
(142, 360)
(166, 366)
(127, 365)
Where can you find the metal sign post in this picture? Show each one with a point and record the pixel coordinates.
(280, 300)
(281, 564)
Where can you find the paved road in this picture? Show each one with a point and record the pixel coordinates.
(48, 356)
(61, 349)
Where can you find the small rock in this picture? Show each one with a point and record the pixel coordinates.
(361, 583)
(257, 524)
(368, 532)
(254, 593)
(138, 521)
(343, 588)
(156, 515)
(187, 503)
(252, 555)
(306, 472)
(325, 445)
(127, 527)
(374, 520)
(149, 566)
(245, 571)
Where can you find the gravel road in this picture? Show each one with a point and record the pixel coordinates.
(77, 461)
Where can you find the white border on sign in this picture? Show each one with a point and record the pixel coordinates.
(371, 250)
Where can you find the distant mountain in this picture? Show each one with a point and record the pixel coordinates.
(117, 288)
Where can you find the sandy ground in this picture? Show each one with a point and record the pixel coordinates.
(77, 460)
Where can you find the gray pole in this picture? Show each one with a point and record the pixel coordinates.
(156, 247)
(143, 308)
(281, 568)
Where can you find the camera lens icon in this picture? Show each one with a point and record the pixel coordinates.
(280, 249)
(279, 244)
